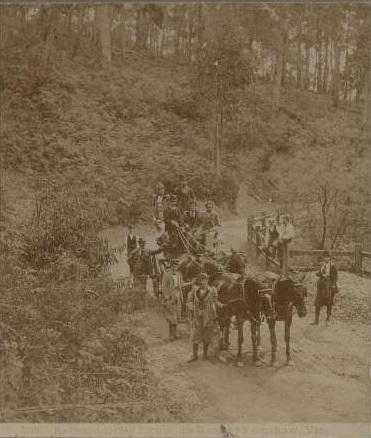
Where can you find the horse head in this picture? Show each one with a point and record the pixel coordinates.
(300, 292)
(211, 266)
(286, 291)
(189, 267)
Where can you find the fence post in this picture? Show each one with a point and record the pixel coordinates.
(357, 258)
(285, 260)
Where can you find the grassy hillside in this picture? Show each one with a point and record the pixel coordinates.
(112, 133)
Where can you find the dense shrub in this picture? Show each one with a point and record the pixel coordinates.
(63, 231)
(61, 343)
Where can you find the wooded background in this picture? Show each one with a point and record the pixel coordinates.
(257, 94)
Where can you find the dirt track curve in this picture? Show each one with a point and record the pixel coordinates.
(327, 383)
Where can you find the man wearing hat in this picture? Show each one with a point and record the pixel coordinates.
(159, 203)
(173, 220)
(210, 226)
(185, 196)
(192, 217)
(202, 302)
(326, 286)
(141, 262)
(172, 297)
(271, 237)
(286, 234)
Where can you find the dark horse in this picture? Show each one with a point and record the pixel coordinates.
(248, 299)
(287, 295)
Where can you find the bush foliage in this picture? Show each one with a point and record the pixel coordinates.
(66, 338)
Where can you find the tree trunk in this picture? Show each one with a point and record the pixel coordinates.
(162, 41)
(104, 25)
(339, 232)
(346, 68)
(324, 225)
(367, 106)
(177, 41)
(325, 71)
(200, 27)
(284, 58)
(319, 64)
(123, 33)
(189, 48)
(279, 71)
(49, 23)
(218, 139)
(336, 74)
(23, 18)
(307, 65)
(141, 30)
(298, 55)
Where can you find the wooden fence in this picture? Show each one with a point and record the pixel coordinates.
(356, 257)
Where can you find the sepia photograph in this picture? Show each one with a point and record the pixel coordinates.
(185, 209)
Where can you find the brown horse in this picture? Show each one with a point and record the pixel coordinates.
(287, 295)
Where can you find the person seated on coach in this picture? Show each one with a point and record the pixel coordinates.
(185, 196)
(192, 218)
(173, 221)
(271, 237)
(210, 223)
(159, 203)
(286, 234)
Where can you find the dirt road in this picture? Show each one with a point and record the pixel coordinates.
(327, 383)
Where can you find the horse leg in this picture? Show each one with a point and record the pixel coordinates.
(226, 333)
(287, 340)
(329, 309)
(239, 338)
(254, 339)
(272, 331)
(317, 311)
(221, 339)
(258, 336)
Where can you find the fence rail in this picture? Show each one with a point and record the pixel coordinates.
(253, 236)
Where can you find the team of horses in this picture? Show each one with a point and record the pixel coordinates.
(247, 299)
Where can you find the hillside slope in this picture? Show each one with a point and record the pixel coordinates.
(114, 132)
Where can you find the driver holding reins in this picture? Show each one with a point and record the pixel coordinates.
(211, 224)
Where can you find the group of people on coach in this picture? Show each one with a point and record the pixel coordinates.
(178, 212)
(173, 211)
